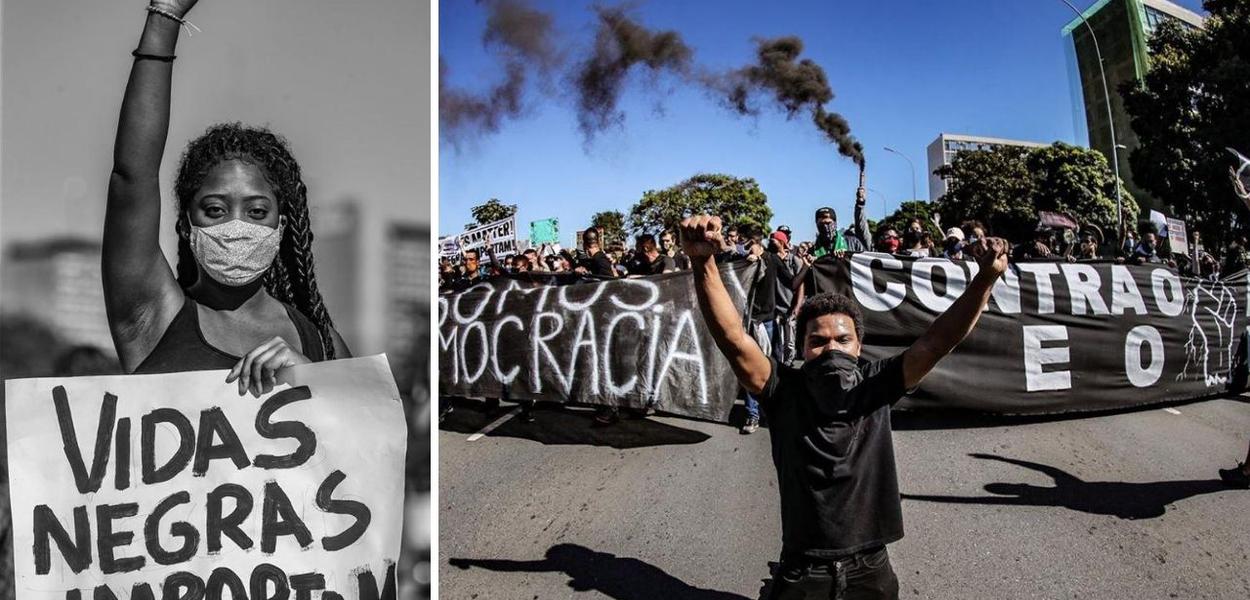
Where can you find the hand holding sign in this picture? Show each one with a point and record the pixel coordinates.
(257, 370)
(701, 237)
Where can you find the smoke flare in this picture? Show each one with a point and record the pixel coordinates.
(796, 84)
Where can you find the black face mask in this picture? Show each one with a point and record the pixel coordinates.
(830, 377)
(827, 230)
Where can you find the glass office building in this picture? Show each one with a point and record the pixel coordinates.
(1123, 28)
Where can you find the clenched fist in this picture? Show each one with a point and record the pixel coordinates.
(701, 237)
(991, 254)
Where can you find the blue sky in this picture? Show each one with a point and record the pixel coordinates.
(903, 71)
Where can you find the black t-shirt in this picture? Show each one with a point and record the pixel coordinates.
(600, 265)
(680, 261)
(764, 303)
(640, 265)
(835, 463)
(786, 270)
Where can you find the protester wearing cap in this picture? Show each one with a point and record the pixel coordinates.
(954, 245)
(831, 241)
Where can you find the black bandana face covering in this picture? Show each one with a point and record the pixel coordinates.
(827, 230)
(830, 377)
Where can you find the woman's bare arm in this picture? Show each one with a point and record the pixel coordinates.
(140, 292)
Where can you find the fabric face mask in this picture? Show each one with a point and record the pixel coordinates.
(830, 376)
(235, 253)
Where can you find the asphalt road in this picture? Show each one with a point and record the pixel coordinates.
(1123, 505)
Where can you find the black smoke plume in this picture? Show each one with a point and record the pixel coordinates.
(621, 44)
(796, 84)
(523, 31)
(523, 37)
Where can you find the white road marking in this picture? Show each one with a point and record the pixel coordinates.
(1172, 410)
(496, 423)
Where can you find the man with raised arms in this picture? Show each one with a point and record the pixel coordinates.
(830, 421)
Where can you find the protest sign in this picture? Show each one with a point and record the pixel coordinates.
(1055, 336)
(500, 234)
(1178, 239)
(449, 246)
(637, 342)
(545, 231)
(175, 487)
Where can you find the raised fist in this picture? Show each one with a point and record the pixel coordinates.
(991, 254)
(701, 236)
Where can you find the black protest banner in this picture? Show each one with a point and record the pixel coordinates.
(1056, 336)
(172, 486)
(637, 342)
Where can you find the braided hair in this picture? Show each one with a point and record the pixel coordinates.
(291, 278)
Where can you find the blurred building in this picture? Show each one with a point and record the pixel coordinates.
(1122, 28)
(337, 255)
(374, 274)
(407, 297)
(57, 281)
(943, 150)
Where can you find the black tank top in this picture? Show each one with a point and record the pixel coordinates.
(183, 347)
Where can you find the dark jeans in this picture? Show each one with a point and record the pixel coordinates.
(864, 576)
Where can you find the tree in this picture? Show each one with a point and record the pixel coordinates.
(1006, 187)
(613, 224)
(1192, 104)
(1079, 182)
(493, 210)
(992, 186)
(737, 201)
(902, 216)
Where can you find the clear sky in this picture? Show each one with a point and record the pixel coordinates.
(344, 82)
(903, 71)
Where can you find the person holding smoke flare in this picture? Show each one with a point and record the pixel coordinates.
(244, 296)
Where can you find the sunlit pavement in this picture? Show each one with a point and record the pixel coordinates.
(1115, 506)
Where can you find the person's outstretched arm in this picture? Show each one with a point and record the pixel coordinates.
(861, 218)
(952, 326)
(701, 239)
(141, 294)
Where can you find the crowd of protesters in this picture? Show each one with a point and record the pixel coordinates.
(778, 291)
(654, 255)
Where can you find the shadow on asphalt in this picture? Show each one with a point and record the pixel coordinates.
(1115, 498)
(925, 419)
(622, 578)
(555, 424)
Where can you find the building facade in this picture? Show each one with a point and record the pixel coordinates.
(943, 150)
(1122, 29)
(57, 282)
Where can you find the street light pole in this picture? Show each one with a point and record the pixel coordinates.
(1106, 95)
(884, 212)
(913, 170)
